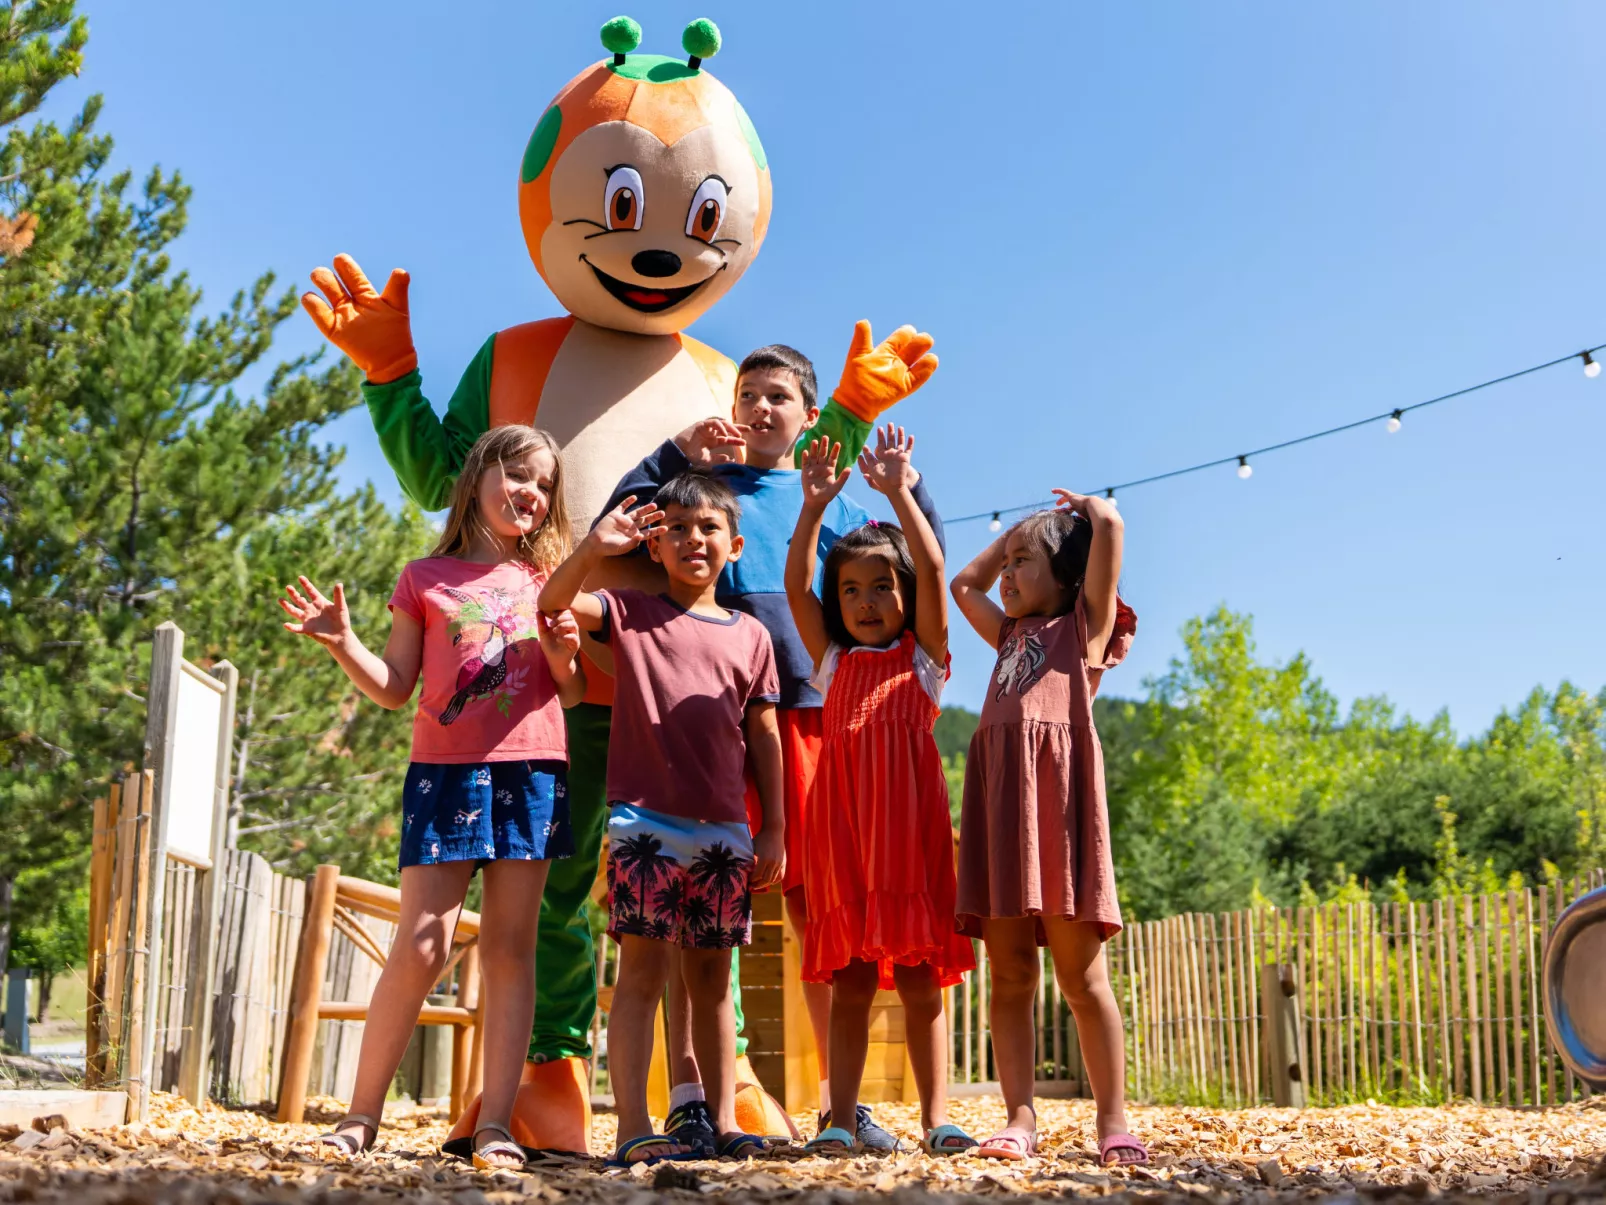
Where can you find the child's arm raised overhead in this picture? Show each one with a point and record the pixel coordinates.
(888, 471)
(387, 680)
(821, 483)
(1103, 567)
(970, 589)
(615, 533)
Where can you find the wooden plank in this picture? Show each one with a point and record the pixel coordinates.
(1519, 1088)
(1199, 1028)
(1224, 930)
(1369, 1018)
(121, 920)
(1486, 971)
(82, 1110)
(1134, 1026)
(138, 1019)
(100, 886)
(1496, 971)
(1419, 1077)
(983, 1019)
(1541, 1044)
(1442, 999)
(1255, 962)
(317, 929)
(1385, 980)
(1458, 1061)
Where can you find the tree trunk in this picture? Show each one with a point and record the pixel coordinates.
(7, 881)
(47, 980)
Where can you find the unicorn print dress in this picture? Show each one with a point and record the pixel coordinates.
(1034, 836)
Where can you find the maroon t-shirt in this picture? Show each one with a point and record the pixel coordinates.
(682, 686)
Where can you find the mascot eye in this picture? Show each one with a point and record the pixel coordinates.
(707, 209)
(623, 199)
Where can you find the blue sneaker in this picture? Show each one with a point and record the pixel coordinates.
(692, 1126)
(871, 1136)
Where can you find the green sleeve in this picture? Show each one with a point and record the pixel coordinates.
(840, 424)
(424, 451)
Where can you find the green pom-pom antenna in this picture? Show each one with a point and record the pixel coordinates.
(701, 41)
(622, 35)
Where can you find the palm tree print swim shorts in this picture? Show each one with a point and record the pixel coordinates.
(679, 880)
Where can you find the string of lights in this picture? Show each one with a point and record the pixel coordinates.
(1391, 419)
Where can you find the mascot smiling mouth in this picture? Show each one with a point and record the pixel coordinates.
(646, 299)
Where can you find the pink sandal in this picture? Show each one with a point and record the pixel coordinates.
(1012, 1142)
(1122, 1150)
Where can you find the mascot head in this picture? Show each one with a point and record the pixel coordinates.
(644, 192)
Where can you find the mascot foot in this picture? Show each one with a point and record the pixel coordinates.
(757, 1112)
(552, 1112)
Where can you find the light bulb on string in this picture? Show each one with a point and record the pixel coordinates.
(1245, 472)
(996, 524)
(1394, 421)
(1591, 369)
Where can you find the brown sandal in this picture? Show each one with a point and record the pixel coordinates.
(345, 1143)
(501, 1146)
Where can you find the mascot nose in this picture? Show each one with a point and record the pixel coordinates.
(655, 263)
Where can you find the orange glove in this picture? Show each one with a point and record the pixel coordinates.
(875, 378)
(371, 328)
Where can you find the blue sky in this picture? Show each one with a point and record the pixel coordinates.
(1143, 235)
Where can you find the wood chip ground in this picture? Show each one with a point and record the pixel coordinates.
(1357, 1155)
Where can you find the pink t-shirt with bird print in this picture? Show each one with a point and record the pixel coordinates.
(488, 692)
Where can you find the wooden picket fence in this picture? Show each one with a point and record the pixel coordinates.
(1428, 1001)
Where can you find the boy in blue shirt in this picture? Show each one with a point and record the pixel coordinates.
(753, 454)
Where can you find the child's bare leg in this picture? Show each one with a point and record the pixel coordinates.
(677, 1021)
(816, 996)
(643, 971)
(507, 962)
(926, 1039)
(431, 898)
(707, 974)
(853, 990)
(1012, 974)
(1084, 979)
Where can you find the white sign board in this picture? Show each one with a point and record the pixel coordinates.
(192, 792)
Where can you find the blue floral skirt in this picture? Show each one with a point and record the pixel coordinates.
(485, 812)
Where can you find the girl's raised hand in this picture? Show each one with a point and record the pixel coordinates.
(711, 441)
(621, 529)
(821, 480)
(326, 620)
(889, 468)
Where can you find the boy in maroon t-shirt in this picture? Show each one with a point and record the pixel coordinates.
(695, 688)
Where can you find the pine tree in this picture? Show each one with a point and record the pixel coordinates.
(136, 487)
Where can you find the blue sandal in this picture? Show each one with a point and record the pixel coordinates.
(737, 1145)
(948, 1140)
(621, 1156)
(833, 1140)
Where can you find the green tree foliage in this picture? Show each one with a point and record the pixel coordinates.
(136, 486)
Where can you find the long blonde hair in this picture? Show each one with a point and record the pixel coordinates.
(545, 547)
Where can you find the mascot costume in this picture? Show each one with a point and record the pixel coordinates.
(644, 194)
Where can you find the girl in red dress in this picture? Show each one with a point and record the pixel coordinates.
(878, 868)
(1034, 836)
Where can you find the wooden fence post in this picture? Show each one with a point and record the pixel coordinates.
(305, 996)
(1282, 1038)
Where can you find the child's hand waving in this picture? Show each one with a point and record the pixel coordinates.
(821, 479)
(888, 469)
(711, 441)
(326, 620)
(621, 529)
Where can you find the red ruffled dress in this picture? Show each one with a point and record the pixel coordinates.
(878, 867)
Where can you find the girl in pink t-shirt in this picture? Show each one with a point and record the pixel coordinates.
(487, 783)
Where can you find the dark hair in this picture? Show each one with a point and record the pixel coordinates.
(779, 357)
(873, 539)
(695, 488)
(1065, 539)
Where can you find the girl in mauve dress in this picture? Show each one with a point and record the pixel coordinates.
(1034, 835)
(878, 867)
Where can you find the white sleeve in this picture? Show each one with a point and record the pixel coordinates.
(826, 670)
(931, 675)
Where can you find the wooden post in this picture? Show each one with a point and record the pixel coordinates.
(1485, 973)
(201, 983)
(1541, 1047)
(1416, 996)
(1282, 1037)
(464, 1036)
(139, 1018)
(1442, 999)
(802, 1060)
(302, 1034)
(102, 853)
